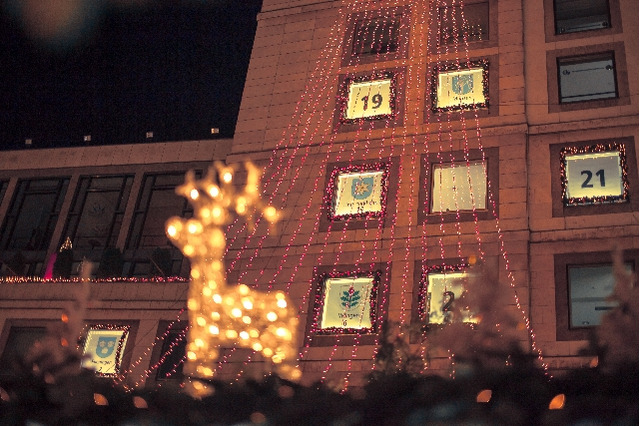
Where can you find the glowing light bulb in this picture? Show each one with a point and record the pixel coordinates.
(194, 194)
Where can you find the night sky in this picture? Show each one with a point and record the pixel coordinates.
(126, 67)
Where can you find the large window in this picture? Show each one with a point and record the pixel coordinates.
(19, 341)
(587, 78)
(455, 186)
(169, 360)
(376, 35)
(581, 15)
(584, 281)
(28, 226)
(441, 296)
(33, 214)
(97, 210)
(149, 252)
(463, 23)
(578, 79)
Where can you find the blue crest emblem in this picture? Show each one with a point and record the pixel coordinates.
(105, 346)
(361, 187)
(462, 84)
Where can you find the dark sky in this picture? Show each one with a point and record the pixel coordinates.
(173, 67)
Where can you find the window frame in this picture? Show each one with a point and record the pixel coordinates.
(429, 161)
(615, 24)
(347, 337)
(562, 262)
(616, 50)
(354, 20)
(126, 350)
(560, 207)
(14, 323)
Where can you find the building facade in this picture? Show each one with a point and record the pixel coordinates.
(405, 144)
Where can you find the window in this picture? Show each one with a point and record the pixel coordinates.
(584, 281)
(151, 253)
(581, 15)
(376, 35)
(356, 194)
(594, 177)
(346, 304)
(594, 174)
(169, 357)
(587, 78)
(97, 210)
(459, 187)
(455, 185)
(369, 98)
(443, 288)
(457, 23)
(4, 184)
(29, 224)
(17, 346)
(33, 214)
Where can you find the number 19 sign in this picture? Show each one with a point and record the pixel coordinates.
(368, 99)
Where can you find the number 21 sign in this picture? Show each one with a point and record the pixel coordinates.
(593, 176)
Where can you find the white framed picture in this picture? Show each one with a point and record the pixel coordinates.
(593, 176)
(347, 303)
(103, 349)
(358, 192)
(462, 88)
(369, 98)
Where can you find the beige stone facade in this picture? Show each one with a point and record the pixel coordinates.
(290, 122)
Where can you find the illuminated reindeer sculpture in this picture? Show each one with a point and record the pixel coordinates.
(222, 315)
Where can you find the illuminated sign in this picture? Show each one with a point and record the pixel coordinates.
(358, 193)
(347, 303)
(593, 175)
(461, 88)
(368, 99)
(103, 349)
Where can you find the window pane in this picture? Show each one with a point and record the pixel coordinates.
(584, 80)
(589, 287)
(581, 15)
(172, 359)
(456, 22)
(459, 187)
(376, 37)
(20, 340)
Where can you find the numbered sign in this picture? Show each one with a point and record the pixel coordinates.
(593, 175)
(461, 88)
(443, 292)
(367, 99)
(103, 349)
(358, 192)
(347, 303)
